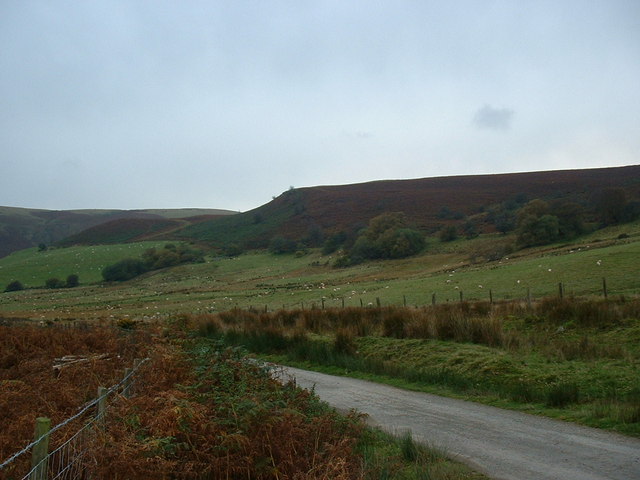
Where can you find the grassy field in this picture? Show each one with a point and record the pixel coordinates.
(263, 280)
(33, 268)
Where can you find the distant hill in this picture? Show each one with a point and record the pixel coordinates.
(314, 212)
(301, 212)
(24, 227)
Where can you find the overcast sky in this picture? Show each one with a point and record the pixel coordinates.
(224, 104)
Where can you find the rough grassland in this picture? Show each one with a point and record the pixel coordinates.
(262, 280)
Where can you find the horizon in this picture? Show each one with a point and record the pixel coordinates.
(313, 186)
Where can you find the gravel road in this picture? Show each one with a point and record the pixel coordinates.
(502, 444)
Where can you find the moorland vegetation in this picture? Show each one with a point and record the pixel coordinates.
(525, 302)
(196, 409)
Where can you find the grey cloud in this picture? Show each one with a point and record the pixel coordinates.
(493, 118)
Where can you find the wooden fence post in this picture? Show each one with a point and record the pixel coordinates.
(126, 387)
(342, 302)
(404, 300)
(361, 304)
(322, 299)
(604, 287)
(378, 301)
(39, 460)
(433, 299)
(529, 298)
(102, 405)
(460, 296)
(490, 297)
(560, 290)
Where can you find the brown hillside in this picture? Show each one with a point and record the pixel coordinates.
(132, 229)
(335, 208)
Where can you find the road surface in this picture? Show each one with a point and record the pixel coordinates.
(502, 444)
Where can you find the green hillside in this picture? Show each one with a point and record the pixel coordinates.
(33, 267)
(262, 280)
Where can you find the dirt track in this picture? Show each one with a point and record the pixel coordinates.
(500, 443)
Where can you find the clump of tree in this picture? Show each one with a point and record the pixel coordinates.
(72, 281)
(445, 213)
(333, 243)
(387, 236)
(125, 269)
(614, 207)
(54, 283)
(14, 286)
(232, 250)
(540, 223)
(280, 245)
(448, 233)
(503, 216)
(171, 255)
(152, 259)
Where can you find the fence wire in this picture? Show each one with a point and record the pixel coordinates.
(68, 460)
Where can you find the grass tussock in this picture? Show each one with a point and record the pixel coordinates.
(557, 354)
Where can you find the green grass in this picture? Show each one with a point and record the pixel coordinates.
(582, 365)
(262, 280)
(33, 268)
(387, 456)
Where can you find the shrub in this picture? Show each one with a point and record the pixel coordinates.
(448, 234)
(232, 250)
(124, 270)
(280, 245)
(334, 242)
(387, 236)
(14, 286)
(54, 283)
(72, 281)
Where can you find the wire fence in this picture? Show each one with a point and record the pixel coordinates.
(67, 461)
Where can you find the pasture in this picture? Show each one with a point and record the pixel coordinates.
(261, 280)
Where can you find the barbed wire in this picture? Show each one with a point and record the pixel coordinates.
(83, 409)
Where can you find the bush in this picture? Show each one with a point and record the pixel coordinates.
(54, 283)
(448, 234)
(14, 286)
(387, 236)
(232, 250)
(72, 281)
(124, 270)
(333, 243)
(280, 245)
